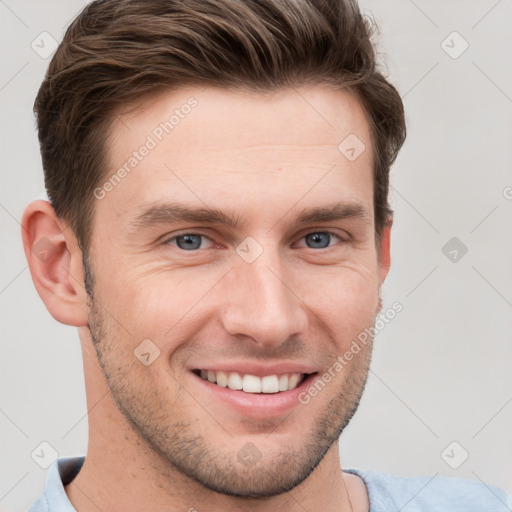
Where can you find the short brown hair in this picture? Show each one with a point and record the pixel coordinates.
(118, 51)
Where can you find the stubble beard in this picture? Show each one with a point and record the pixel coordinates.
(179, 446)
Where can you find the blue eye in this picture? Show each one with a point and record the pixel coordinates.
(320, 239)
(188, 241)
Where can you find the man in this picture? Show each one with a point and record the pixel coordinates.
(218, 231)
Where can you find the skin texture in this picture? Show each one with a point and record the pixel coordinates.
(161, 438)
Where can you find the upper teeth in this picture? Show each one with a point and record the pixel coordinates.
(252, 383)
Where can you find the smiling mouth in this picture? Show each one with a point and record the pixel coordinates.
(269, 384)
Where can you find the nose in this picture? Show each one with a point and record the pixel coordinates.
(261, 302)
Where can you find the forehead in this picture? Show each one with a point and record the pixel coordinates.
(311, 115)
(215, 145)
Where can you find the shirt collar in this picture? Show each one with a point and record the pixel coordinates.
(61, 473)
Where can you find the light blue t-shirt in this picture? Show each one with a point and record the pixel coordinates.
(388, 493)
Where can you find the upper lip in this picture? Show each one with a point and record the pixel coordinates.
(257, 369)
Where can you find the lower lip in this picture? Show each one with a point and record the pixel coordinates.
(261, 405)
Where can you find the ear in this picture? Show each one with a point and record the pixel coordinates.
(384, 250)
(55, 263)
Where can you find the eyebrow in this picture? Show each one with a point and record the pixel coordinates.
(172, 213)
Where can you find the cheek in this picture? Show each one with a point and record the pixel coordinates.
(157, 304)
(345, 299)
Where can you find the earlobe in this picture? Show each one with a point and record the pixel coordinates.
(55, 263)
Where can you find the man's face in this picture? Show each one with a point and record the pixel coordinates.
(268, 294)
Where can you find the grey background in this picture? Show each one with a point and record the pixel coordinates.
(441, 368)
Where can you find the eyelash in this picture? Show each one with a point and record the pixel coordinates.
(174, 237)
